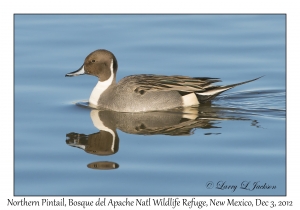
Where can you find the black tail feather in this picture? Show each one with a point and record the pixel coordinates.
(214, 91)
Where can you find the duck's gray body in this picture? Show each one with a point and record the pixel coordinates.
(124, 97)
(144, 92)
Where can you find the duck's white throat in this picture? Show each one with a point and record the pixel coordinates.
(101, 87)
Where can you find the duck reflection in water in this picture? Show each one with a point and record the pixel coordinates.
(177, 122)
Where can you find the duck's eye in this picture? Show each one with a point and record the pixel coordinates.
(93, 61)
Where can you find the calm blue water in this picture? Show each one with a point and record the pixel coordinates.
(238, 141)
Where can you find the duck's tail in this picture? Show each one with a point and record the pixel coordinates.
(213, 91)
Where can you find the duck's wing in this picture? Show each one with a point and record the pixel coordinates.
(149, 82)
(202, 86)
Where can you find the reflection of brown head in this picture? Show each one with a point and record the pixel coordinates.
(103, 165)
(102, 143)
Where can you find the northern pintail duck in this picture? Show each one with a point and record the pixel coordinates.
(144, 92)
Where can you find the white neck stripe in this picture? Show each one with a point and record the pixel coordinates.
(102, 86)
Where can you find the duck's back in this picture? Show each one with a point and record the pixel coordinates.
(128, 96)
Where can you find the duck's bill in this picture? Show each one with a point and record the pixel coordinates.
(78, 72)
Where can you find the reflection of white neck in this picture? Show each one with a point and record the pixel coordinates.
(101, 87)
(99, 124)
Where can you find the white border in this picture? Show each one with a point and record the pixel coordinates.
(8, 8)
